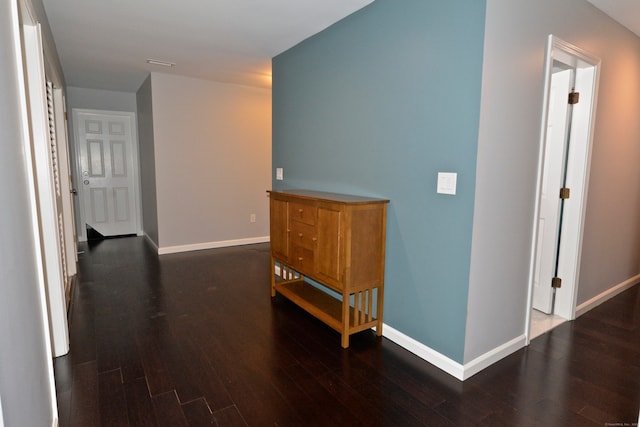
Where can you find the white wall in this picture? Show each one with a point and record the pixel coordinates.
(98, 99)
(511, 108)
(611, 245)
(25, 360)
(147, 162)
(212, 144)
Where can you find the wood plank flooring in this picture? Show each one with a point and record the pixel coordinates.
(195, 339)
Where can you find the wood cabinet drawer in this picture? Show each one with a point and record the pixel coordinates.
(302, 258)
(302, 212)
(303, 235)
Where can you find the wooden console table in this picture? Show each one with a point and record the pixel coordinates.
(338, 241)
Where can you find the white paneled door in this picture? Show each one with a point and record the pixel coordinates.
(552, 180)
(108, 171)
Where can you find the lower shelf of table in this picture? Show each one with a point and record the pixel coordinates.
(321, 305)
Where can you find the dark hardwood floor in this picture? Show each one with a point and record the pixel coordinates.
(195, 339)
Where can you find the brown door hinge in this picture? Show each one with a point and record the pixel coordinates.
(565, 193)
(556, 282)
(574, 97)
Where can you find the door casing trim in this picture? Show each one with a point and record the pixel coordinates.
(587, 80)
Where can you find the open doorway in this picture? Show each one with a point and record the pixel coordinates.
(571, 81)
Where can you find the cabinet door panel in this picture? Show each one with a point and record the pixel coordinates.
(279, 229)
(367, 246)
(329, 249)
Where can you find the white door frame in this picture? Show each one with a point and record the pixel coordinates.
(587, 69)
(28, 48)
(41, 152)
(82, 231)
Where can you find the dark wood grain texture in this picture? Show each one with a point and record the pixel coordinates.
(195, 339)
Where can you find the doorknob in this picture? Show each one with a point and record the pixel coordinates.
(85, 182)
(73, 191)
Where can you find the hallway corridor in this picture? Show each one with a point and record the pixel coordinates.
(194, 339)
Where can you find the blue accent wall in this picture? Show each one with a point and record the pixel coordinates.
(377, 105)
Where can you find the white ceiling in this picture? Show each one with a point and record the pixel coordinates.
(626, 12)
(104, 44)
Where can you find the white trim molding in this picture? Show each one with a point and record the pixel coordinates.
(489, 358)
(151, 242)
(606, 295)
(451, 367)
(210, 245)
(437, 359)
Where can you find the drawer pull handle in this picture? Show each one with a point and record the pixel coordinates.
(300, 211)
(315, 239)
(300, 235)
(300, 258)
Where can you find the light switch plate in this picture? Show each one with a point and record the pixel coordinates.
(447, 182)
(279, 174)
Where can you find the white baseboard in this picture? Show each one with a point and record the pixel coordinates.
(489, 358)
(451, 367)
(211, 245)
(463, 372)
(151, 242)
(606, 295)
(441, 361)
